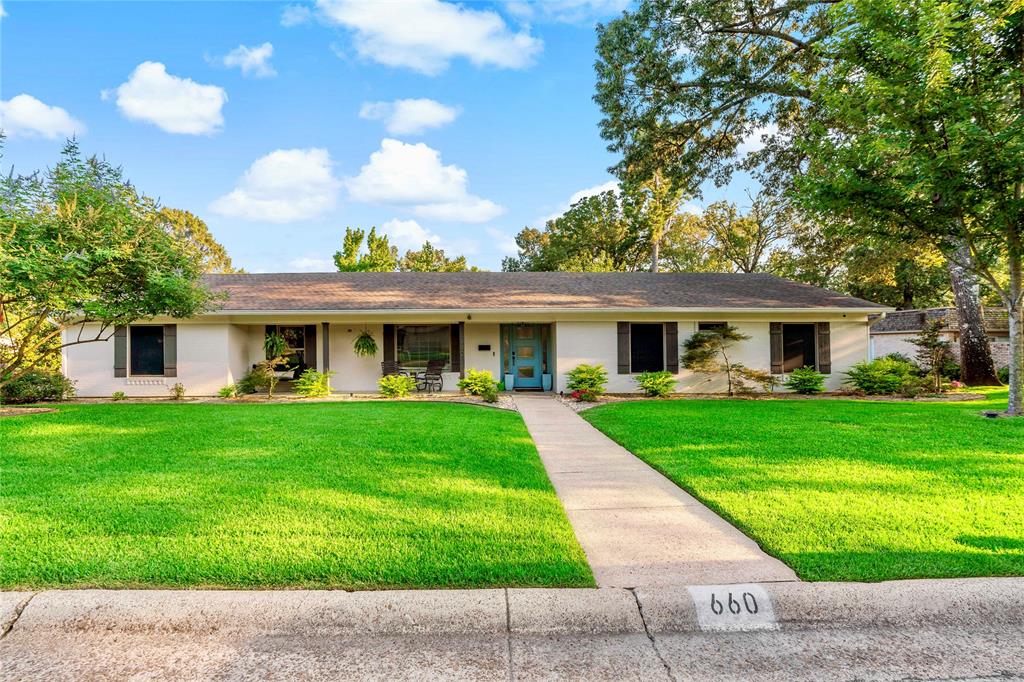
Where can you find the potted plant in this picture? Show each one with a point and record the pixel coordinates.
(365, 345)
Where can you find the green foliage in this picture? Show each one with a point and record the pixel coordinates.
(883, 376)
(379, 256)
(431, 259)
(177, 391)
(1004, 374)
(587, 382)
(194, 237)
(490, 394)
(478, 382)
(229, 391)
(117, 396)
(765, 379)
(37, 386)
(708, 352)
(274, 345)
(396, 385)
(933, 352)
(806, 381)
(313, 384)
(656, 384)
(251, 382)
(365, 346)
(81, 245)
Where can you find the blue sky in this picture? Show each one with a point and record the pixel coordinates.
(282, 123)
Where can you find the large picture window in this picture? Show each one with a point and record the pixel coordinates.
(647, 347)
(798, 346)
(418, 344)
(147, 350)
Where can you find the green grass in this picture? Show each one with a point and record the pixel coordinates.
(847, 490)
(356, 495)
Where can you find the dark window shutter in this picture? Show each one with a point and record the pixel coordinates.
(121, 352)
(623, 347)
(457, 347)
(327, 346)
(309, 339)
(389, 343)
(271, 329)
(672, 347)
(776, 347)
(824, 348)
(170, 350)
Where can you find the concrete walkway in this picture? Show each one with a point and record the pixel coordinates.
(637, 527)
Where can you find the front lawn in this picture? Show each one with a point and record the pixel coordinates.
(846, 490)
(352, 495)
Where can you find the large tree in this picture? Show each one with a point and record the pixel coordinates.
(195, 236)
(379, 256)
(702, 88)
(82, 252)
(924, 105)
(429, 258)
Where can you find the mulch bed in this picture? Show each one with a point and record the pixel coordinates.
(627, 397)
(22, 411)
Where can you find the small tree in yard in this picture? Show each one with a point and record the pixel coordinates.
(933, 351)
(708, 352)
(81, 253)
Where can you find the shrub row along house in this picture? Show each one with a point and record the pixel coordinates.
(895, 332)
(528, 329)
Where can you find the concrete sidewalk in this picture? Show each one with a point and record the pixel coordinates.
(637, 528)
(927, 629)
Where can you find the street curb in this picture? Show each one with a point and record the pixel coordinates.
(964, 603)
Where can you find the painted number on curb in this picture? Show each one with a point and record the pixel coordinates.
(733, 607)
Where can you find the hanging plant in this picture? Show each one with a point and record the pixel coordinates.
(365, 346)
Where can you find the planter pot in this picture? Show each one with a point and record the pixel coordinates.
(509, 382)
(545, 380)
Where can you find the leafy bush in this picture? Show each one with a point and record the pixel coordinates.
(37, 386)
(177, 391)
(118, 395)
(478, 382)
(950, 370)
(765, 379)
(587, 382)
(490, 394)
(806, 381)
(313, 384)
(229, 391)
(884, 376)
(250, 383)
(1004, 374)
(914, 386)
(656, 384)
(900, 357)
(396, 385)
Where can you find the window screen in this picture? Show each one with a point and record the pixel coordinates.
(417, 344)
(647, 347)
(797, 346)
(147, 350)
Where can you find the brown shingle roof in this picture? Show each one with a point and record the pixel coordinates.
(996, 320)
(345, 291)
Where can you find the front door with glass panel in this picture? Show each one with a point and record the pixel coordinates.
(526, 356)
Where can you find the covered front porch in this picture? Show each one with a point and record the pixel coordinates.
(518, 354)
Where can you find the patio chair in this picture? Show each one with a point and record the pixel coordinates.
(430, 379)
(390, 368)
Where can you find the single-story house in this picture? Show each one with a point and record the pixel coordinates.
(529, 327)
(894, 332)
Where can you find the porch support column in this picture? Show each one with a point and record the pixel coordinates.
(462, 350)
(326, 364)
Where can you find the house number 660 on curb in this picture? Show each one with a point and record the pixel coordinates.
(733, 607)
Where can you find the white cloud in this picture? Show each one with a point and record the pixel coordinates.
(566, 11)
(426, 35)
(504, 244)
(610, 186)
(25, 116)
(253, 61)
(295, 15)
(309, 264)
(691, 208)
(3, 12)
(173, 104)
(412, 175)
(408, 234)
(409, 116)
(753, 141)
(284, 186)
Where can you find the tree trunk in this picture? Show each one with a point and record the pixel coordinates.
(655, 254)
(976, 367)
(1015, 405)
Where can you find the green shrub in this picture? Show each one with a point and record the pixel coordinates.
(587, 382)
(37, 386)
(884, 376)
(656, 384)
(478, 382)
(229, 391)
(396, 385)
(177, 391)
(763, 378)
(806, 381)
(248, 384)
(118, 395)
(1004, 374)
(914, 386)
(313, 384)
(490, 394)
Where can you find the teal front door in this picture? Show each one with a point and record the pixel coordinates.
(526, 356)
